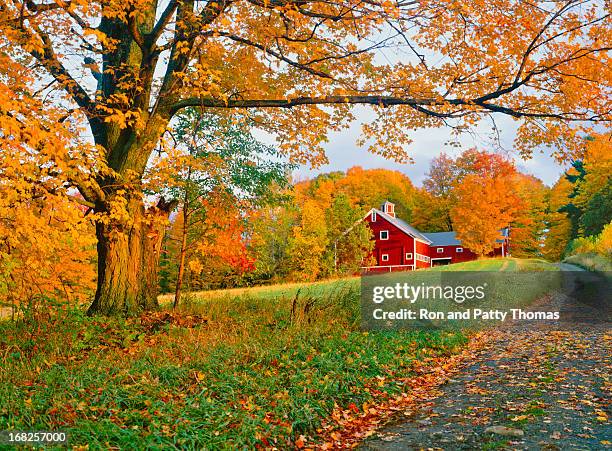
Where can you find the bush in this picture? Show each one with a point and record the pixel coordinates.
(592, 262)
(604, 243)
(597, 244)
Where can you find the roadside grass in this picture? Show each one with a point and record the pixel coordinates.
(234, 369)
(499, 264)
(591, 262)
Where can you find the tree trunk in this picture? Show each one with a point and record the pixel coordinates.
(128, 257)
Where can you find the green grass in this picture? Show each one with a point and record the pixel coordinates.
(255, 375)
(500, 264)
(591, 262)
(270, 364)
(323, 288)
(278, 291)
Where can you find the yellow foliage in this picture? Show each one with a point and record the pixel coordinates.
(47, 249)
(604, 242)
(308, 242)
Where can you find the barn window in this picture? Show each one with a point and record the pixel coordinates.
(385, 257)
(459, 249)
(373, 216)
(384, 234)
(440, 250)
(408, 256)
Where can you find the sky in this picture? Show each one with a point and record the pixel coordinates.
(343, 152)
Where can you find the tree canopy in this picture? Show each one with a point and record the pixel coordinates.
(103, 80)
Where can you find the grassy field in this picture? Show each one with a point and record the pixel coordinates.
(316, 289)
(592, 262)
(500, 264)
(236, 369)
(278, 291)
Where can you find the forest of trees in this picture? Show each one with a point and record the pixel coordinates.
(313, 231)
(90, 92)
(246, 224)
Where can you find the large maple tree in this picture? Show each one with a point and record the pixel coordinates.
(123, 68)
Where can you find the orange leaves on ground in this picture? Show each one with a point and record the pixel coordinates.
(348, 426)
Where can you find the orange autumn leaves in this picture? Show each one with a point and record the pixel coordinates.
(219, 243)
(46, 249)
(491, 196)
(484, 206)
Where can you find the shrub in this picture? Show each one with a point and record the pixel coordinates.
(596, 244)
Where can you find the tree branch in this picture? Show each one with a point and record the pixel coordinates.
(275, 54)
(49, 61)
(164, 19)
(383, 101)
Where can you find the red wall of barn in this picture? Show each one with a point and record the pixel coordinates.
(422, 249)
(396, 246)
(451, 251)
(498, 251)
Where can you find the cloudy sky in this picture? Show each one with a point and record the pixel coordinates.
(343, 153)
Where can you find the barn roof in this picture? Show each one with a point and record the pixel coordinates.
(404, 226)
(443, 238)
(450, 238)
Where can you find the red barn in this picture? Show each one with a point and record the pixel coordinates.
(399, 246)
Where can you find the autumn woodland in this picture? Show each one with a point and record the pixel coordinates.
(169, 280)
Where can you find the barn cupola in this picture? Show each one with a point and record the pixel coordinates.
(388, 208)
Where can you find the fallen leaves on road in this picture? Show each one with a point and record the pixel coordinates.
(346, 428)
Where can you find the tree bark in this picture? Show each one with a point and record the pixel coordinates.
(128, 258)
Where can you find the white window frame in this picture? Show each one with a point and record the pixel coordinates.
(389, 208)
(380, 234)
(459, 250)
(440, 250)
(384, 257)
(373, 216)
(408, 255)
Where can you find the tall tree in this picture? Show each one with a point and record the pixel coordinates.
(124, 68)
(308, 243)
(271, 230)
(212, 251)
(572, 208)
(485, 205)
(367, 188)
(593, 192)
(351, 239)
(441, 177)
(445, 174)
(214, 162)
(528, 226)
(432, 213)
(558, 225)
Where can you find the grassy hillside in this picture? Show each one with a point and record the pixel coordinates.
(500, 264)
(592, 262)
(236, 369)
(316, 289)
